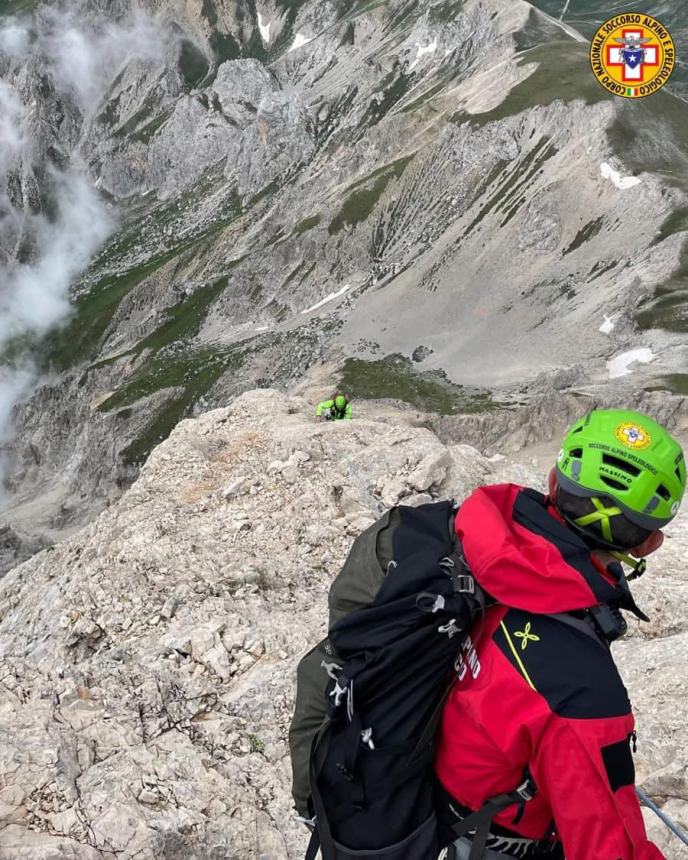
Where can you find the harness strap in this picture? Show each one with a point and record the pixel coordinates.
(584, 625)
(313, 845)
(481, 820)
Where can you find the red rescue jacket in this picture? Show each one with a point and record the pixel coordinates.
(536, 693)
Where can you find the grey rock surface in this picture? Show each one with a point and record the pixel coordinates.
(147, 663)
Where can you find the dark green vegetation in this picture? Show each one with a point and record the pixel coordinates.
(509, 183)
(142, 115)
(148, 132)
(95, 307)
(668, 312)
(364, 196)
(677, 383)
(584, 235)
(562, 74)
(393, 89)
(190, 376)
(80, 338)
(14, 7)
(652, 135)
(193, 64)
(395, 377)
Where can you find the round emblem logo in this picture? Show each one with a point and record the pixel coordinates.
(633, 436)
(675, 507)
(632, 55)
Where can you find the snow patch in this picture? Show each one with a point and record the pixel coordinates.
(299, 41)
(264, 29)
(621, 364)
(622, 182)
(327, 299)
(428, 49)
(608, 325)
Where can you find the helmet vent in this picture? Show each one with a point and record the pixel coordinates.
(622, 465)
(610, 482)
(577, 452)
(664, 493)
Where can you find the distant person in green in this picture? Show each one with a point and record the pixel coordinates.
(335, 409)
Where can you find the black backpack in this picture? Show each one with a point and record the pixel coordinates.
(370, 696)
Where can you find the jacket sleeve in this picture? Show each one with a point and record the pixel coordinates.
(322, 406)
(585, 769)
(347, 413)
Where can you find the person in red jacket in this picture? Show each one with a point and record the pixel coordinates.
(538, 700)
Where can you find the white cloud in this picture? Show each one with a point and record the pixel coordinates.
(85, 55)
(14, 40)
(82, 56)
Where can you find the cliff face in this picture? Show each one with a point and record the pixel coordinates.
(285, 178)
(148, 662)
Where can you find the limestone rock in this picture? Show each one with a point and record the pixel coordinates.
(134, 731)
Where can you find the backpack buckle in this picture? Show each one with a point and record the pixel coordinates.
(526, 791)
(464, 583)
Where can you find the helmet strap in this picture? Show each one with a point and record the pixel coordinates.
(639, 565)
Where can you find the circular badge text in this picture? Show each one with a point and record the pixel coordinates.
(632, 55)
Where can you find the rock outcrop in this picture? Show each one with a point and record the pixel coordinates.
(147, 664)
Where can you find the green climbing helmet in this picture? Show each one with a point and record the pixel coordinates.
(340, 401)
(629, 458)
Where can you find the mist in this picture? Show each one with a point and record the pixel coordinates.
(81, 56)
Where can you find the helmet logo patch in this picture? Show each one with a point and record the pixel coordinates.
(675, 507)
(633, 436)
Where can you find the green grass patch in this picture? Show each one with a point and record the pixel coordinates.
(185, 318)
(445, 13)
(194, 373)
(507, 195)
(141, 115)
(267, 191)
(209, 12)
(148, 132)
(79, 339)
(225, 47)
(193, 64)
(668, 312)
(359, 204)
(584, 235)
(306, 225)
(15, 7)
(395, 87)
(675, 223)
(395, 377)
(676, 383)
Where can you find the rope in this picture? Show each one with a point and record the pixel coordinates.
(675, 829)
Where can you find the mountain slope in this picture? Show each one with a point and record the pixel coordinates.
(404, 186)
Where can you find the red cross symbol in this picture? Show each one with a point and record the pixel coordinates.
(636, 75)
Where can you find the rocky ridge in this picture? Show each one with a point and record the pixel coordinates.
(147, 663)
